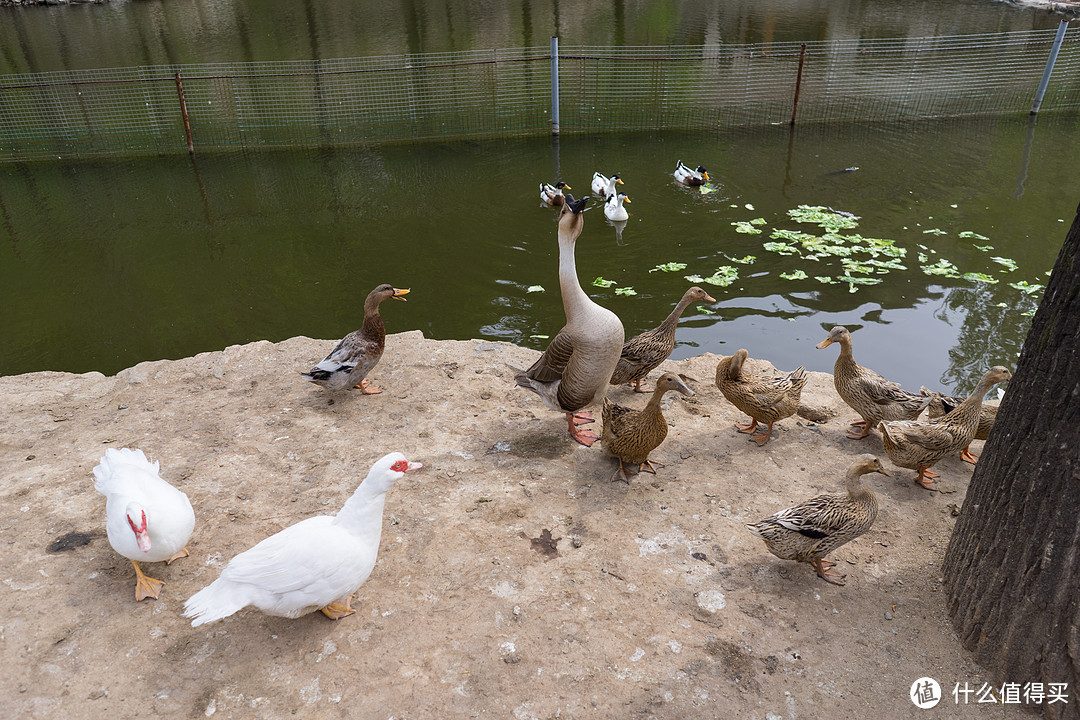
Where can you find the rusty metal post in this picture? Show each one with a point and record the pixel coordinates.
(184, 114)
(798, 83)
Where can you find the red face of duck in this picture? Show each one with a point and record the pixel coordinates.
(404, 466)
(138, 526)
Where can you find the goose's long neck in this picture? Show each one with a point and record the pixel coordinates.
(972, 405)
(573, 296)
(857, 491)
(362, 513)
(673, 317)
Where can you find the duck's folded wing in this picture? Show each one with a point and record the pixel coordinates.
(928, 435)
(815, 518)
(296, 558)
(553, 362)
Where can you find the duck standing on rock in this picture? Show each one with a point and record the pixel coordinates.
(869, 394)
(692, 178)
(552, 195)
(642, 353)
(918, 445)
(630, 435)
(316, 564)
(574, 370)
(764, 399)
(146, 518)
(942, 404)
(812, 529)
(358, 352)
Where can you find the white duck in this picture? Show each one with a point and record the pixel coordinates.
(614, 210)
(316, 564)
(146, 518)
(693, 178)
(574, 370)
(604, 186)
(552, 195)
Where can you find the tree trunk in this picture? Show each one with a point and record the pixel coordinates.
(1012, 569)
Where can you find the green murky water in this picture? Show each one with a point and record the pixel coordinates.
(106, 264)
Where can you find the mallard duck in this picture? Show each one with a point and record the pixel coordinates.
(869, 394)
(553, 194)
(693, 178)
(613, 207)
(764, 399)
(605, 186)
(942, 404)
(630, 435)
(642, 353)
(809, 531)
(358, 352)
(146, 518)
(573, 371)
(918, 445)
(316, 564)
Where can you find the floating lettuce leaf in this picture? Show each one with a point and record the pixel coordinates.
(705, 310)
(748, 206)
(968, 235)
(923, 257)
(794, 275)
(749, 259)
(887, 264)
(743, 226)
(1003, 305)
(934, 231)
(625, 291)
(782, 248)
(825, 279)
(853, 281)
(540, 337)
(601, 282)
(980, 277)
(851, 266)
(756, 221)
(984, 248)
(670, 267)
(535, 288)
(1028, 313)
(825, 217)
(705, 189)
(793, 236)
(1025, 287)
(942, 267)
(1010, 264)
(724, 276)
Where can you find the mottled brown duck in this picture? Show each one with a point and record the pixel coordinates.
(869, 394)
(356, 355)
(809, 531)
(642, 353)
(942, 404)
(918, 445)
(764, 399)
(630, 435)
(574, 370)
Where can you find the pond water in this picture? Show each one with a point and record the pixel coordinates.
(106, 264)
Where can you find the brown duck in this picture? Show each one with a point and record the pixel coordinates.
(630, 435)
(358, 352)
(642, 353)
(918, 445)
(764, 399)
(942, 404)
(872, 396)
(812, 529)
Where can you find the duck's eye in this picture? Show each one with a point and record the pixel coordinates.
(400, 466)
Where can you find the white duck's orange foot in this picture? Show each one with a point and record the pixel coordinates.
(145, 587)
(336, 610)
(367, 388)
(181, 553)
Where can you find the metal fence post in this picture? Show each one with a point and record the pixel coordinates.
(1049, 66)
(798, 84)
(554, 84)
(184, 114)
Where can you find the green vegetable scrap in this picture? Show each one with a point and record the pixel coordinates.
(535, 288)
(934, 231)
(825, 217)
(968, 235)
(540, 337)
(853, 281)
(1010, 264)
(749, 259)
(625, 291)
(670, 267)
(601, 282)
(794, 275)
(942, 267)
(724, 276)
(826, 280)
(705, 189)
(782, 248)
(705, 310)
(743, 226)
(984, 248)
(980, 277)
(1028, 288)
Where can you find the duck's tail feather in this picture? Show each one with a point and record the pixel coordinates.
(214, 602)
(113, 464)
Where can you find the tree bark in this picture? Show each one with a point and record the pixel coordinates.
(1012, 569)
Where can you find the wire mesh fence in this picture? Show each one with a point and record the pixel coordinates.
(507, 92)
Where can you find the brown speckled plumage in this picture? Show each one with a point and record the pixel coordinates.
(809, 531)
(642, 353)
(630, 435)
(764, 399)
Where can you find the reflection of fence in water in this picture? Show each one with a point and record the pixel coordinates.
(498, 93)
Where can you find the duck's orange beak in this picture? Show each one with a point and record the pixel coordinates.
(398, 292)
(706, 175)
(824, 343)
